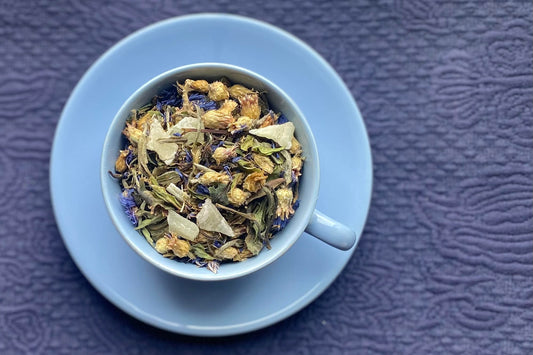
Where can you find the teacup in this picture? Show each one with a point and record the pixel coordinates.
(306, 218)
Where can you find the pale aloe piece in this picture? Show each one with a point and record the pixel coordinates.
(181, 226)
(165, 151)
(178, 193)
(189, 123)
(279, 133)
(210, 219)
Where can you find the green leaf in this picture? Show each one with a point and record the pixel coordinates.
(247, 143)
(266, 149)
(219, 194)
(200, 252)
(147, 236)
(148, 221)
(253, 244)
(170, 177)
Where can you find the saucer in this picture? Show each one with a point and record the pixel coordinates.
(140, 289)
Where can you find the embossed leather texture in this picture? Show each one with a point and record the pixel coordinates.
(445, 265)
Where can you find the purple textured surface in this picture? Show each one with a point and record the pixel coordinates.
(446, 262)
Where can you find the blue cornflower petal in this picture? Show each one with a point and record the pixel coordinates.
(169, 97)
(282, 119)
(215, 146)
(296, 205)
(217, 244)
(188, 156)
(126, 199)
(202, 101)
(128, 203)
(201, 189)
(130, 157)
(236, 159)
(228, 171)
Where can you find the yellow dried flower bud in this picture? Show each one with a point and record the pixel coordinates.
(284, 209)
(179, 247)
(222, 154)
(237, 91)
(263, 162)
(250, 106)
(132, 133)
(228, 253)
(243, 122)
(162, 245)
(144, 121)
(254, 181)
(212, 177)
(295, 146)
(197, 85)
(237, 197)
(297, 162)
(215, 119)
(243, 255)
(218, 91)
(120, 163)
(228, 106)
(268, 121)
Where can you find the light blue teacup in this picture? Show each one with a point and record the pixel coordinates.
(306, 218)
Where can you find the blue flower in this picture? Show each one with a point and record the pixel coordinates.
(279, 224)
(128, 203)
(130, 156)
(215, 146)
(188, 156)
(236, 159)
(296, 205)
(228, 171)
(217, 244)
(202, 101)
(168, 97)
(282, 119)
(201, 189)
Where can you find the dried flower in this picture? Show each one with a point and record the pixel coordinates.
(263, 162)
(212, 177)
(250, 106)
(237, 91)
(197, 85)
(222, 154)
(161, 245)
(237, 197)
(254, 181)
(179, 247)
(284, 209)
(228, 253)
(221, 118)
(120, 163)
(218, 91)
(296, 147)
(242, 123)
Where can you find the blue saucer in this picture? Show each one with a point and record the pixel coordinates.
(135, 286)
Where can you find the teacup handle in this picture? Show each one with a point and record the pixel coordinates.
(330, 231)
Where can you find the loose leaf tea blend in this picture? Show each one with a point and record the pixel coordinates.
(209, 173)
